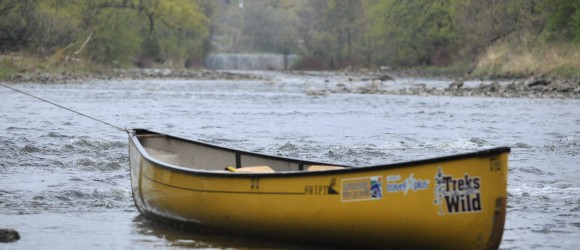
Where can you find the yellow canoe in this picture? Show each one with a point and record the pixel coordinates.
(451, 202)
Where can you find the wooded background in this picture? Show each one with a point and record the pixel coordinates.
(328, 34)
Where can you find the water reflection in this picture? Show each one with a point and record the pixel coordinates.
(196, 238)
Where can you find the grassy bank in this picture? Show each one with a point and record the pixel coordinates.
(29, 68)
(504, 59)
(14, 64)
(513, 59)
(522, 59)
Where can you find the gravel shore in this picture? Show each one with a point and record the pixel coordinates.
(373, 82)
(530, 88)
(132, 74)
(377, 83)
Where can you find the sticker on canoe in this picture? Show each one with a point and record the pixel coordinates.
(395, 184)
(494, 164)
(457, 195)
(321, 189)
(362, 189)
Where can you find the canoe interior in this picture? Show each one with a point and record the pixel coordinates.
(194, 155)
(200, 156)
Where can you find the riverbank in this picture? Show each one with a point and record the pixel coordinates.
(349, 81)
(132, 74)
(411, 84)
(531, 88)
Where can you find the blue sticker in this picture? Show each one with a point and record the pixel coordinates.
(395, 184)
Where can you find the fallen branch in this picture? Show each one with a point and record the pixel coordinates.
(83, 45)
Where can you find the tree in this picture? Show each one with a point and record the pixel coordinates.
(333, 32)
(146, 30)
(416, 32)
(564, 19)
(115, 32)
(255, 26)
(33, 25)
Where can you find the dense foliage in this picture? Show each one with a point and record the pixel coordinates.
(429, 32)
(341, 33)
(565, 19)
(114, 32)
(327, 33)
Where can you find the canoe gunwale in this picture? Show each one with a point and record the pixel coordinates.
(135, 133)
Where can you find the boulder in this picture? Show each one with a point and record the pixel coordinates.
(537, 82)
(385, 78)
(9, 235)
(457, 84)
(495, 86)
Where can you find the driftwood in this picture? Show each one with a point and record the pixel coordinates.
(83, 45)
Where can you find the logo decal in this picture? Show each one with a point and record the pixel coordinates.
(394, 184)
(362, 189)
(321, 189)
(494, 164)
(457, 195)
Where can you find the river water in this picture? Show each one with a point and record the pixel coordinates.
(64, 178)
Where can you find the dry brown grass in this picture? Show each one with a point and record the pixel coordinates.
(508, 59)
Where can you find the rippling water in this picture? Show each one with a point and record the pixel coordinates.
(64, 179)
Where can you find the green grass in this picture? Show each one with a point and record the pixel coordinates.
(20, 63)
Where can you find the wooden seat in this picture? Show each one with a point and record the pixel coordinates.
(251, 169)
(323, 167)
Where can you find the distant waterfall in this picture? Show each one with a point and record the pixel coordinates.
(249, 61)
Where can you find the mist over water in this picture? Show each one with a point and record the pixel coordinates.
(250, 61)
(64, 179)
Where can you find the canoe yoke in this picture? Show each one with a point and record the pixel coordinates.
(268, 169)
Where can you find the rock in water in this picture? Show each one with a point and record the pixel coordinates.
(9, 235)
(457, 84)
(385, 78)
(537, 82)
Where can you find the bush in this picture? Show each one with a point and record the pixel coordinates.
(564, 19)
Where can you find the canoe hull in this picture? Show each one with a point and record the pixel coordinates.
(454, 202)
